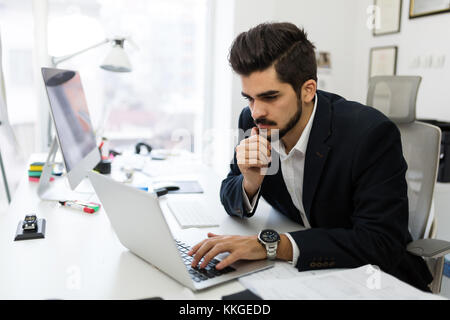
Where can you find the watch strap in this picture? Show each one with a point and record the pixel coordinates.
(271, 250)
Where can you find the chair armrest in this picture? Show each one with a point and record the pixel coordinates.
(429, 248)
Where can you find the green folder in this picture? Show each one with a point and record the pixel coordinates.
(34, 173)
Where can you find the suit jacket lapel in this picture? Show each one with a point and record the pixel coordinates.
(317, 151)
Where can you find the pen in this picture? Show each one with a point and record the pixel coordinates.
(92, 205)
(85, 207)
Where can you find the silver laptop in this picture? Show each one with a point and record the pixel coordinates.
(139, 223)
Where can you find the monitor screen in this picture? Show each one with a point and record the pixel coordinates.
(70, 114)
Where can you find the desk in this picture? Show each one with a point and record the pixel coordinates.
(81, 257)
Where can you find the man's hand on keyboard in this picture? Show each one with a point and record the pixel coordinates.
(239, 247)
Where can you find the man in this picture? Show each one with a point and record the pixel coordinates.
(341, 169)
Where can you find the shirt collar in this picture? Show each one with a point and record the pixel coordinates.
(302, 142)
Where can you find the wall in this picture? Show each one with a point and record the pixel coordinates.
(418, 38)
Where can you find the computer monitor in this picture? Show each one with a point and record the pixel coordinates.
(74, 132)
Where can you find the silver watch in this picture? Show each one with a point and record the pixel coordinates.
(269, 239)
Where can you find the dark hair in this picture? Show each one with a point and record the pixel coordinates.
(281, 44)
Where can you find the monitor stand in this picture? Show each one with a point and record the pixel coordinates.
(58, 190)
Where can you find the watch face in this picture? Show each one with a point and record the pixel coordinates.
(269, 236)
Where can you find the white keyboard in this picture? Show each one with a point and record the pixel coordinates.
(190, 213)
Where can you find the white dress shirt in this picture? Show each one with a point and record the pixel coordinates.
(292, 167)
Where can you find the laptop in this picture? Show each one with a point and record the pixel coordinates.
(139, 223)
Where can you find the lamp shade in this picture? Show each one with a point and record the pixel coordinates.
(117, 60)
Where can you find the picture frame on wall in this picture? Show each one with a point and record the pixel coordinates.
(388, 15)
(323, 59)
(421, 8)
(383, 61)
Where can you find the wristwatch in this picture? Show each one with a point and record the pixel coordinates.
(269, 238)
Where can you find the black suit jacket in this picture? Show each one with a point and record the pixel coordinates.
(354, 192)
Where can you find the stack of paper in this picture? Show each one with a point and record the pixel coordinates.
(284, 282)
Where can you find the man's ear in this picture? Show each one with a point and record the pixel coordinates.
(308, 90)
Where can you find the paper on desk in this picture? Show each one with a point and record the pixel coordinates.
(364, 283)
(281, 270)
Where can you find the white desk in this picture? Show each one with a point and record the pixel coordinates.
(81, 257)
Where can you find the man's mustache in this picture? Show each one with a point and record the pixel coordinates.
(264, 121)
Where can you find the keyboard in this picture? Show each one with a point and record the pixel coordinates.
(200, 274)
(190, 213)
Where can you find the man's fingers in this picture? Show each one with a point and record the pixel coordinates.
(260, 140)
(217, 249)
(248, 164)
(252, 163)
(198, 255)
(239, 247)
(253, 150)
(253, 159)
(196, 247)
(210, 235)
(253, 146)
(231, 258)
(255, 155)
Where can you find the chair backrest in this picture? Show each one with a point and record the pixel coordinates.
(395, 96)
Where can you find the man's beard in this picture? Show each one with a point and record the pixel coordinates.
(282, 132)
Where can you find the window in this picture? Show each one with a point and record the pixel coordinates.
(17, 59)
(162, 99)
(20, 110)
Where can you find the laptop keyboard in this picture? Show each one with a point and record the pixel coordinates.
(200, 274)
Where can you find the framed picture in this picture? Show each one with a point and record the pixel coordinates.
(387, 17)
(421, 8)
(323, 60)
(383, 61)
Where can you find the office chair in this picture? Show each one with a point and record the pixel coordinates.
(395, 96)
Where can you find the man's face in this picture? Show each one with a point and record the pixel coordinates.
(274, 104)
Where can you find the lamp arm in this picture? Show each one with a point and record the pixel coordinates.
(58, 60)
